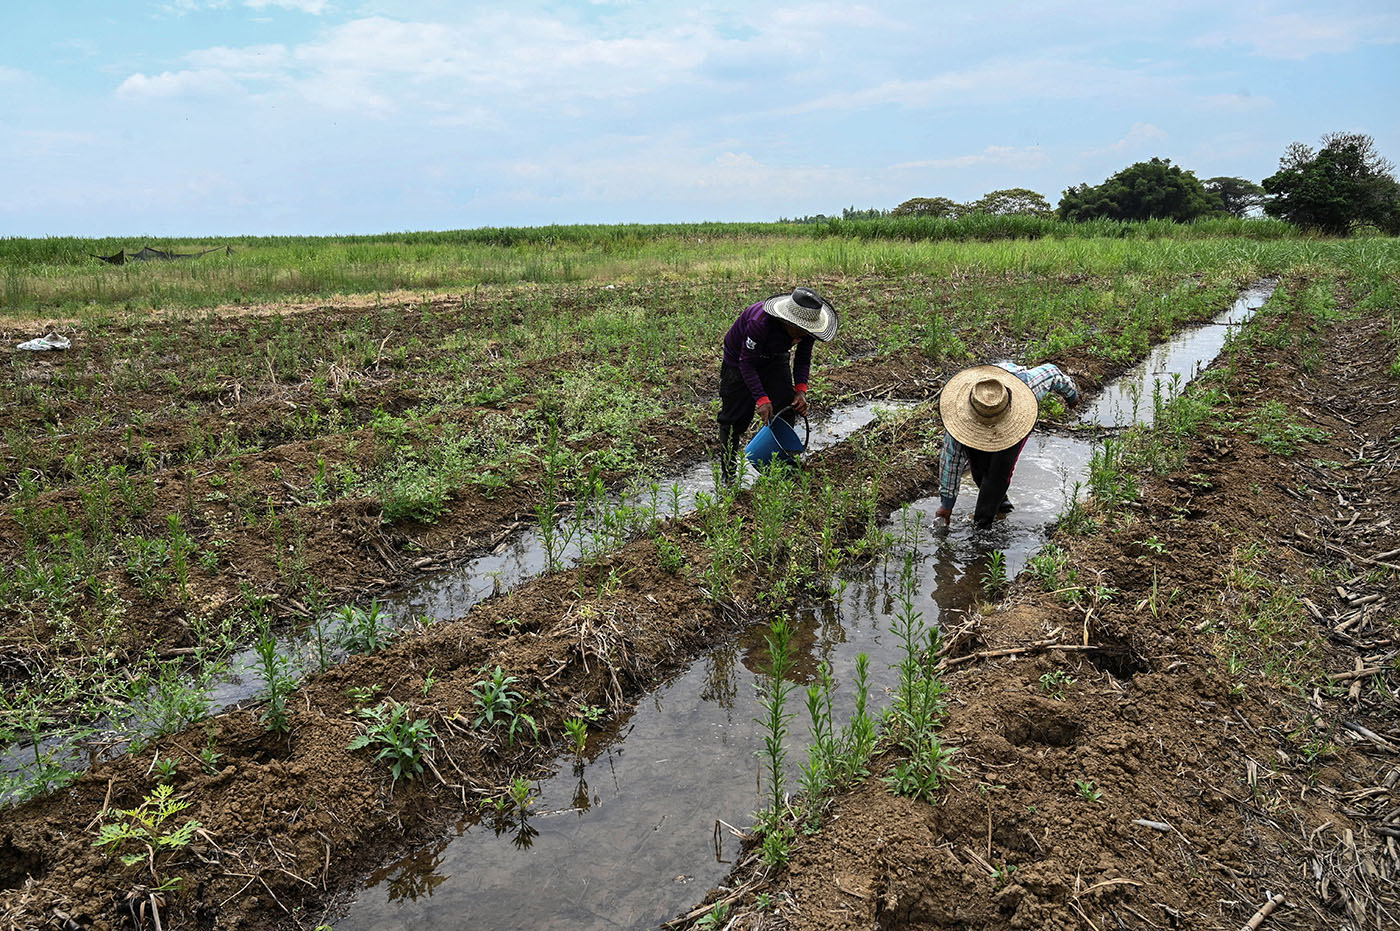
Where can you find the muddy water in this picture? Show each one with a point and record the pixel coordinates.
(627, 838)
(450, 593)
(1129, 399)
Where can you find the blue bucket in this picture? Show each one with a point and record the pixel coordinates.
(776, 441)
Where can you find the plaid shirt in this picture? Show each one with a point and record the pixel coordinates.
(1042, 379)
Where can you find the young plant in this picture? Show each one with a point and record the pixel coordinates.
(150, 828)
(1055, 682)
(994, 579)
(714, 919)
(403, 741)
(577, 731)
(521, 795)
(499, 704)
(365, 630)
(278, 680)
(1088, 791)
(773, 696)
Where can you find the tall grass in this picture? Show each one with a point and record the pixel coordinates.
(60, 275)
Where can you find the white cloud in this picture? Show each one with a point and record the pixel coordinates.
(314, 7)
(1138, 138)
(1000, 155)
(1001, 82)
(170, 84)
(1301, 35)
(1237, 102)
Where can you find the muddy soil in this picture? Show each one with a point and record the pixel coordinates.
(1235, 751)
(235, 449)
(286, 821)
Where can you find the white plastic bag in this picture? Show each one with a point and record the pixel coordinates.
(45, 343)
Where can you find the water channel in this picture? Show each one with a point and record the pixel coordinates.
(449, 593)
(626, 838)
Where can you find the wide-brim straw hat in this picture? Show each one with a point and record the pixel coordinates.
(804, 308)
(987, 408)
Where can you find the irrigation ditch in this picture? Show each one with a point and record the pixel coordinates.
(621, 832)
(618, 839)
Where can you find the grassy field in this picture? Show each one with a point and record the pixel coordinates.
(60, 276)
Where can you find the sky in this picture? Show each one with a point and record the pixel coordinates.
(322, 117)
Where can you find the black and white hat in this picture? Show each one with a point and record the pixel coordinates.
(804, 308)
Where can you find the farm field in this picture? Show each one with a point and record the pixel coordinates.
(205, 493)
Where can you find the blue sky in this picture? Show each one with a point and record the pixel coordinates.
(225, 117)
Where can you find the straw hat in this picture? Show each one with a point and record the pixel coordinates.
(987, 408)
(804, 308)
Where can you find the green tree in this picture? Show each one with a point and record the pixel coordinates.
(1155, 189)
(1237, 196)
(928, 207)
(1012, 200)
(1343, 185)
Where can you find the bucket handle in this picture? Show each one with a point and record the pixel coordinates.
(806, 440)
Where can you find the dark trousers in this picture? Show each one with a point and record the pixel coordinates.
(737, 407)
(992, 474)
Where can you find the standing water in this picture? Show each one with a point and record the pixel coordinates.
(450, 593)
(628, 837)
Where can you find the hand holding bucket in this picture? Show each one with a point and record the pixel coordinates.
(777, 440)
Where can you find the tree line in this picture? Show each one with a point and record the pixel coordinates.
(1342, 186)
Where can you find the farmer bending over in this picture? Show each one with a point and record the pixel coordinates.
(755, 374)
(988, 412)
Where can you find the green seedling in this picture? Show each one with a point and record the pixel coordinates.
(714, 919)
(167, 767)
(577, 731)
(994, 579)
(499, 704)
(149, 827)
(669, 555)
(1055, 682)
(1088, 791)
(403, 741)
(521, 795)
(360, 694)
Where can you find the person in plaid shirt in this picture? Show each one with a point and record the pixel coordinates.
(988, 412)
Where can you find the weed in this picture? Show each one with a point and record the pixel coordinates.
(669, 555)
(167, 767)
(1088, 791)
(499, 704)
(714, 919)
(1275, 428)
(773, 696)
(521, 795)
(278, 680)
(1055, 682)
(365, 630)
(405, 742)
(577, 731)
(777, 846)
(994, 579)
(149, 826)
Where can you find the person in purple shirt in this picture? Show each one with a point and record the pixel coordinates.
(755, 376)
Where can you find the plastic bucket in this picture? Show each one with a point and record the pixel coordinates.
(776, 441)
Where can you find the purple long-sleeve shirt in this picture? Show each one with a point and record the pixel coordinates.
(757, 338)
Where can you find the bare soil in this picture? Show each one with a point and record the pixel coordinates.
(1218, 788)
